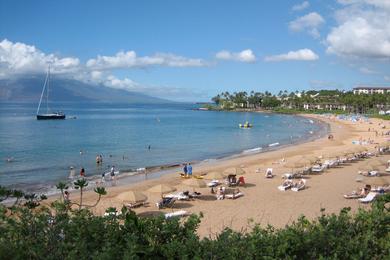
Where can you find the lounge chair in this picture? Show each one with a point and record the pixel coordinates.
(353, 195)
(318, 168)
(213, 183)
(166, 203)
(179, 213)
(268, 173)
(135, 205)
(299, 185)
(287, 184)
(232, 180)
(178, 196)
(234, 195)
(241, 181)
(369, 198)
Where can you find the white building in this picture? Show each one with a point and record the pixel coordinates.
(370, 90)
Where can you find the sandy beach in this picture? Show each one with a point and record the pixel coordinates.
(262, 202)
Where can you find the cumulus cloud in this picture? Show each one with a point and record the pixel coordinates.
(301, 6)
(299, 55)
(130, 59)
(309, 23)
(244, 56)
(362, 31)
(366, 70)
(20, 58)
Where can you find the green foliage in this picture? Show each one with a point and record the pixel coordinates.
(363, 103)
(57, 233)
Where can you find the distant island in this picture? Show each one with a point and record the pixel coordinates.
(28, 89)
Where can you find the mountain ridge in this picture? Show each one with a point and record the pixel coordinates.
(29, 88)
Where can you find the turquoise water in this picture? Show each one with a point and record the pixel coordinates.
(43, 151)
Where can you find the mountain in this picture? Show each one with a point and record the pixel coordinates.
(29, 88)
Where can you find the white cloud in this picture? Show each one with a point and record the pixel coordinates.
(20, 58)
(299, 55)
(386, 78)
(310, 23)
(301, 6)
(129, 59)
(244, 56)
(366, 70)
(363, 30)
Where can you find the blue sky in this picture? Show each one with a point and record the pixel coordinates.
(192, 50)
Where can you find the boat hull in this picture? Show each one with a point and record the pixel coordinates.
(51, 117)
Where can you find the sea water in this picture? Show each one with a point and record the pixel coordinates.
(41, 152)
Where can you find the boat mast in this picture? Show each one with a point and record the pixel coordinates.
(47, 92)
(43, 91)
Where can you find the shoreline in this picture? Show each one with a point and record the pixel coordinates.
(127, 177)
(262, 202)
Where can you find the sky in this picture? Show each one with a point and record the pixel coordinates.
(193, 50)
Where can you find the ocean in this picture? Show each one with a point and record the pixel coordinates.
(42, 152)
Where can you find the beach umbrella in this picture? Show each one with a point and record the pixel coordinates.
(234, 171)
(214, 176)
(161, 188)
(195, 183)
(308, 159)
(378, 162)
(377, 181)
(294, 164)
(132, 196)
(369, 167)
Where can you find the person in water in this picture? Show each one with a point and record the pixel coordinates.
(97, 159)
(71, 173)
(82, 172)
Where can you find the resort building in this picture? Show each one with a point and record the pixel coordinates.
(371, 90)
(325, 106)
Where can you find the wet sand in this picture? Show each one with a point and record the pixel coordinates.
(262, 202)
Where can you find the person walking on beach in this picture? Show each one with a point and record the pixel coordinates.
(112, 173)
(189, 170)
(185, 170)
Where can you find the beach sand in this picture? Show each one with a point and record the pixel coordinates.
(262, 202)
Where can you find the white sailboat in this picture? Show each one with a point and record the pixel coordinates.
(48, 115)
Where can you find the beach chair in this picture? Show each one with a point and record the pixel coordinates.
(135, 205)
(369, 198)
(241, 181)
(179, 213)
(287, 184)
(234, 195)
(166, 203)
(299, 186)
(178, 196)
(317, 168)
(213, 183)
(268, 173)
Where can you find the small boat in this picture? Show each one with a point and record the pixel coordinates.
(48, 115)
(246, 125)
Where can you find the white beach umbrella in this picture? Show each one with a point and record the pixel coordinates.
(234, 171)
(214, 176)
(161, 188)
(195, 183)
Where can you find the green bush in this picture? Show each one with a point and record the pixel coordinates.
(59, 232)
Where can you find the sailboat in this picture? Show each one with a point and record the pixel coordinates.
(48, 115)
